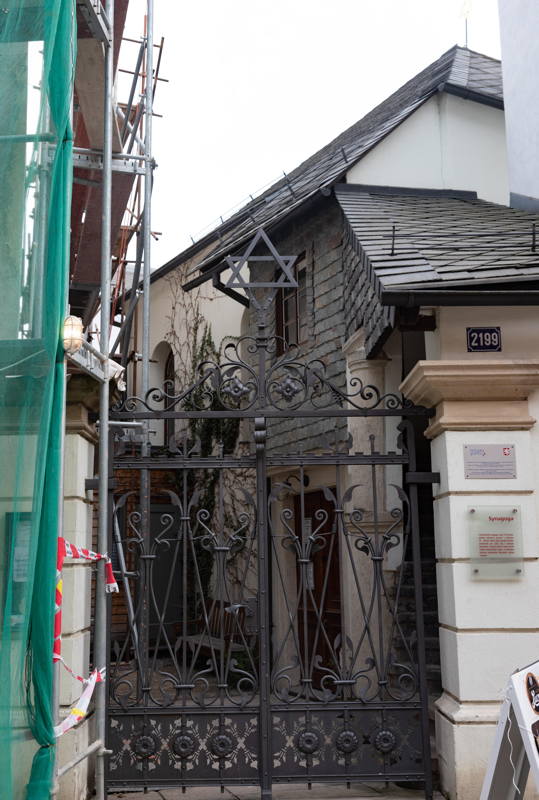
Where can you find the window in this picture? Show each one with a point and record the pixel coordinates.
(291, 309)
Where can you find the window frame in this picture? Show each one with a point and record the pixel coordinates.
(298, 320)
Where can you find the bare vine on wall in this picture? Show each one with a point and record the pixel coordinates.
(190, 337)
(184, 318)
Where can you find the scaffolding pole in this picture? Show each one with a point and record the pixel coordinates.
(100, 644)
(107, 162)
(147, 226)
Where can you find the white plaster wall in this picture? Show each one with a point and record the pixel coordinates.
(223, 314)
(409, 156)
(519, 331)
(448, 143)
(519, 24)
(474, 148)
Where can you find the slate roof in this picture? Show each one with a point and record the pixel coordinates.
(432, 240)
(458, 71)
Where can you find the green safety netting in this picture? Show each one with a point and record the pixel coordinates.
(36, 76)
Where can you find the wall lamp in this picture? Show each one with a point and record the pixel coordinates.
(72, 335)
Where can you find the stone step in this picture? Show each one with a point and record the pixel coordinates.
(432, 649)
(429, 591)
(428, 568)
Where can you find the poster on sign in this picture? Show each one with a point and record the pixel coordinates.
(525, 685)
(516, 748)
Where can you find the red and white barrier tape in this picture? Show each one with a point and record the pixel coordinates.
(67, 550)
(79, 710)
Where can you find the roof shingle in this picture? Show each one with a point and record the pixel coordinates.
(439, 239)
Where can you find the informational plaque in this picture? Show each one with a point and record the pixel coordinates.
(495, 534)
(21, 551)
(490, 461)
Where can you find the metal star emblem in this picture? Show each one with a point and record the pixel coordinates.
(286, 263)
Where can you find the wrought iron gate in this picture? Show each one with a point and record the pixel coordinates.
(260, 635)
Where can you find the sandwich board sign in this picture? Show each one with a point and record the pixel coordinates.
(515, 752)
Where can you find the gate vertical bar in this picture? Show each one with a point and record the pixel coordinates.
(147, 216)
(260, 435)
(145, 487)
(420, 625)
(264, 615)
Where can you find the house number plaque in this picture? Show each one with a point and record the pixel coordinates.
(495, 536)
(484, 340)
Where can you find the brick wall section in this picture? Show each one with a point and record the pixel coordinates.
(361, 306)
(318, 233)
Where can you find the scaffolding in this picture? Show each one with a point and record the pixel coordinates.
(125, 157)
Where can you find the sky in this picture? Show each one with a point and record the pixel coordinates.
(256, 86)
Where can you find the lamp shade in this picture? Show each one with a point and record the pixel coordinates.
(72, 334)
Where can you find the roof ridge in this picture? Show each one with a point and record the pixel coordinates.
(415, 78)
(329, 163)
(477, 53)
(460, 69)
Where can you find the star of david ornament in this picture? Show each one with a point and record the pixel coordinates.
(283, 279)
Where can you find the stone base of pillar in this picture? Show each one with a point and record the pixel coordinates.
(464, 736)
(74, 784)
(82, 397)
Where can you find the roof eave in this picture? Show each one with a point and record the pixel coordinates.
(469, 94)
(214, 266)
(414, 298)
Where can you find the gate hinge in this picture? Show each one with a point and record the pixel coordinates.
(251, 616)
(422, 477)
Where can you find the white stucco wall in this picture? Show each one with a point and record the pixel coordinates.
(519, 25)
(223, 315)
(519, 331)
(448, 143)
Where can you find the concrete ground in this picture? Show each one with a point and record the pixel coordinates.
(319, 791)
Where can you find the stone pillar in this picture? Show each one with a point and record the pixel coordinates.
(368, 377)
(488, 628)
(82, 396)
(363, 371)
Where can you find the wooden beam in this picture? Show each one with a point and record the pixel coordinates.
(90, 82)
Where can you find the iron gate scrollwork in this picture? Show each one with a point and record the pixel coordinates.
(258, 637)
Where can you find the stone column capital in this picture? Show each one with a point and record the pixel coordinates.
(355, 344)
(356, 358)
(83, 389)
(474, 395)
(82, 395)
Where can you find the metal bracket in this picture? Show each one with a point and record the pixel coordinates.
(422, 477)
(95, 161)
(251, 616)
(92, 484)
(239, 298)
(96, 19)
(87, 362)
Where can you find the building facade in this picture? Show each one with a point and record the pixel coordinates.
(407, 251)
